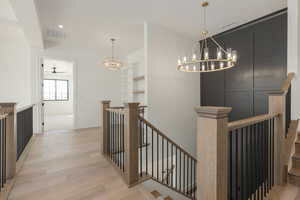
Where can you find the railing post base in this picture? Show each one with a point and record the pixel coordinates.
(212, 153)
(105, 127)
(11, 139)
(131, 138)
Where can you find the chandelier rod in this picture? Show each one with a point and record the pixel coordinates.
(112, 47)
(218, 44)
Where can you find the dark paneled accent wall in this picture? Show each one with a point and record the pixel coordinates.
(261, 68)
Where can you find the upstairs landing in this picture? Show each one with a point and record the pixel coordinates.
(68, 166)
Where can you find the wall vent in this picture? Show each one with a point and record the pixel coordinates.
(55, 34)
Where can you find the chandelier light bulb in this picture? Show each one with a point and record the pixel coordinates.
(203, 67)
(187, 68)
(229, 54)
(229, 64)
(179, 62)
(221, 65)
(194, 57)
(184, 59)
(219, 54)
(206, 54)
(212, 66)
(234, 56)
(194, 67)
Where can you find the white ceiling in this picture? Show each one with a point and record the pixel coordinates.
(61, 66)
(89, 24)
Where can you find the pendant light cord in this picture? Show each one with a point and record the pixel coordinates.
(112, 47)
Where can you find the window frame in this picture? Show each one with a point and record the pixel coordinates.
(55, 80)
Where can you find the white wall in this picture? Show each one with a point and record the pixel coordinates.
(294, 53)
(15, 61)
(172, 95)
(92, 83)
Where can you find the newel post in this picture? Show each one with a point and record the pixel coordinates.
(11, 138)
(277, 102)
(105, 127)
(212, 153)
(131, 143)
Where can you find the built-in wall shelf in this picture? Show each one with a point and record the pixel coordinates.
(138, 78)
(138, 92)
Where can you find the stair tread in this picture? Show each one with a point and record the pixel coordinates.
(296, 155)
(156, 194)
(295, 172)
(168, 198)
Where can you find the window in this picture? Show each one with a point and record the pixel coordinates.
(56, 90)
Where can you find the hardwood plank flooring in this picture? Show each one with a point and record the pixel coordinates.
(69, 165)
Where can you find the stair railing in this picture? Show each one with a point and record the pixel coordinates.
(7, 146)
(120, 141)
(24, 118)
(164, 161)
(244, 159)
(239, 160)
(286, 91)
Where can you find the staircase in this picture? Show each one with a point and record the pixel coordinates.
(294, 173)
(236, 160)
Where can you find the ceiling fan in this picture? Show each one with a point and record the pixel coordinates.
(53, 71)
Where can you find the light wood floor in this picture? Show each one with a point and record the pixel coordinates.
(68, 166)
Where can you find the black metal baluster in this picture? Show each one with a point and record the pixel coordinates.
(2, 160)
(176, 160)
(157, 163)
(260, 160)
(191, 178)
(242, 165)
(172, 181)
(147, 149)
(273, 136)
(4, 155)
(252, 161)
(247, 185)
(167, 162)
(180, 188)
(152, 144)
(1, 165)
(123, 141)
(141, 148)
(187, 174)
(237, 186)
(256, 163)
(162, 158)
(184, 186)
(117, 140)
(112, 135)
(230, 167)
(265, 157)
(268, 156)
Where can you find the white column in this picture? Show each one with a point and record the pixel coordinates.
(294, 52)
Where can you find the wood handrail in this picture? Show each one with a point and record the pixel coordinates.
(116, 110)
(25, 108)
(166, 137)
(287, 83)
(122, 107)
(250, 121)
(2, 116)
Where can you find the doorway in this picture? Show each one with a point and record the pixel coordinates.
(58, 95)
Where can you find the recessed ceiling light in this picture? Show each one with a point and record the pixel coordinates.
(61, 26)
